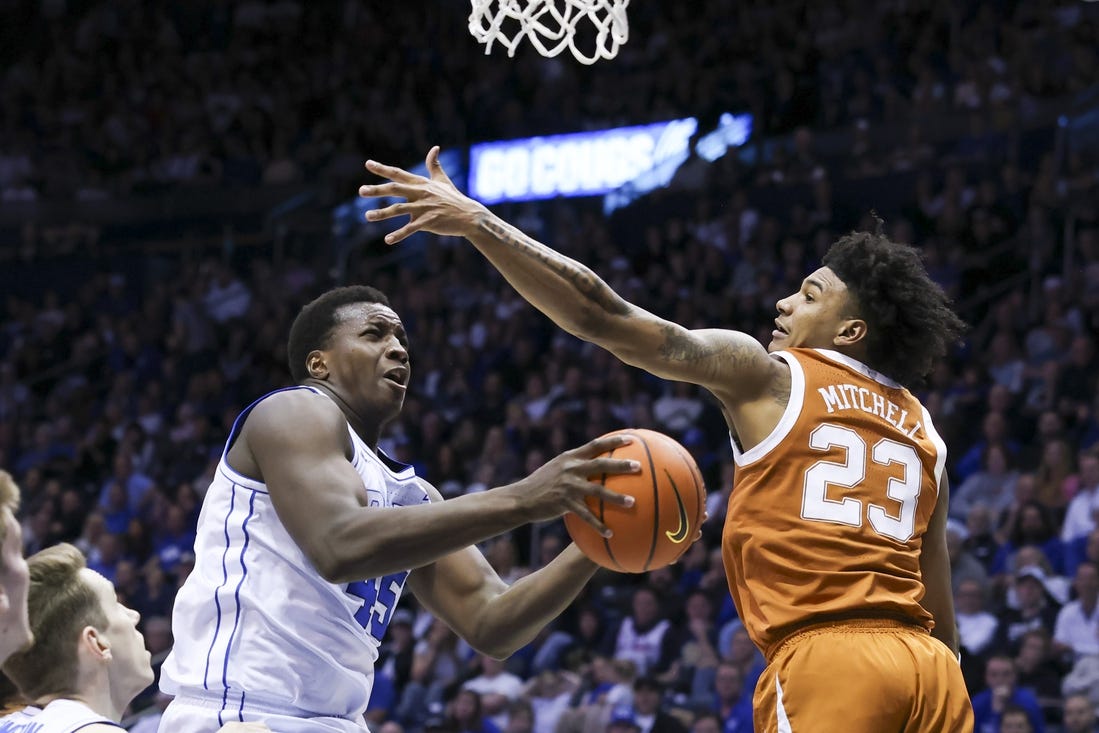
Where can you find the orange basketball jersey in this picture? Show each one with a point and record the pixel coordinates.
(828, 513)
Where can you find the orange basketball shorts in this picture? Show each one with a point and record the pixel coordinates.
(863, 676)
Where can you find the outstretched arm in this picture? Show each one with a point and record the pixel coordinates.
(731, 364)
(299, 440)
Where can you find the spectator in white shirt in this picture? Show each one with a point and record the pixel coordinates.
(497, 688)
(1077, 629)
(1080, 516)
(976, 626)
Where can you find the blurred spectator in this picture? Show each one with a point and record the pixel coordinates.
(1015, 720)
(1077, 630)
(727, 698)
(1034, 609)
(497, 689)
(649, 708)
(520, 716)
(1040, 672)
(963, 566)
(1082, 549)
(690, 645)
(1079, 715)
(622, 720)
(395, 654)
(549, 695)
(1080, 516)
(980, 541)
(993, 486)
(135, 485)
(640, 635)
(466, 715)
(976, 626)
(1003, 694)
(1031, 526)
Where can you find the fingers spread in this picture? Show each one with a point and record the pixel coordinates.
(402, 190)
(392, 172)
(387, 213)
(402, 233)
(582, 510)
(435, 167)
(612, 497)
(604, 444)
(612, 465)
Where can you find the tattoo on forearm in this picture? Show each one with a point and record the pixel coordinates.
(679, 346)
(586, 282)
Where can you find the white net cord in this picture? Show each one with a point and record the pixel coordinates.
(550, 25)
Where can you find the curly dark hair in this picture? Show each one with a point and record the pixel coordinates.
(910, 324)
(314, 323)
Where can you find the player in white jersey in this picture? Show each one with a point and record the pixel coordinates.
(308, 535)
(88, 661)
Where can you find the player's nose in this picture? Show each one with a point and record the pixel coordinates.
(397, 351)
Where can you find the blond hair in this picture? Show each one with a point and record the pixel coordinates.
(60, 604)
(9, 499)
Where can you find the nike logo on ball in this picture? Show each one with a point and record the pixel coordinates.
(680, 533)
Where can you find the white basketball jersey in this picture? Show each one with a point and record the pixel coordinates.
(60, 716)
(256, 625)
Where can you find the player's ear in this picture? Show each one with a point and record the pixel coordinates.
(851, 332)
(95, 643)
(316, 365)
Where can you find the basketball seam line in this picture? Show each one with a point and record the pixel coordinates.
(656, 503)
(602, 506)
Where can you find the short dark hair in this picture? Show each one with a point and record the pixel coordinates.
(314, 323)
(1015, 710)
(910, 324)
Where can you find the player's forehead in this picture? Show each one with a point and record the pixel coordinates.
(102, 587)
(357, 315)
(824, 280)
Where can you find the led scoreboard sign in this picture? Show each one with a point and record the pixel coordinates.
(578, 164)
(631, 160)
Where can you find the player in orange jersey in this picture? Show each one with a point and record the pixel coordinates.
(835, 541)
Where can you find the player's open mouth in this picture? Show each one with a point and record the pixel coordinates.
(779, 330)
(398, 376)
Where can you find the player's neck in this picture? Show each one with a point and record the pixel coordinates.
(96, 697)
(368, 432)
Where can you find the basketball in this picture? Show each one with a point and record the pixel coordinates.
(669, 501)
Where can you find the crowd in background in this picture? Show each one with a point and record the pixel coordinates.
(117, 390)
(110, 99)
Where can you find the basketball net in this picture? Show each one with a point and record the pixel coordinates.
(550, 25)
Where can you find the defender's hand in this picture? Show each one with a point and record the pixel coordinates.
(433, 204)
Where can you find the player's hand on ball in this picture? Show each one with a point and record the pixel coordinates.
(562, 484)
(432, 204)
